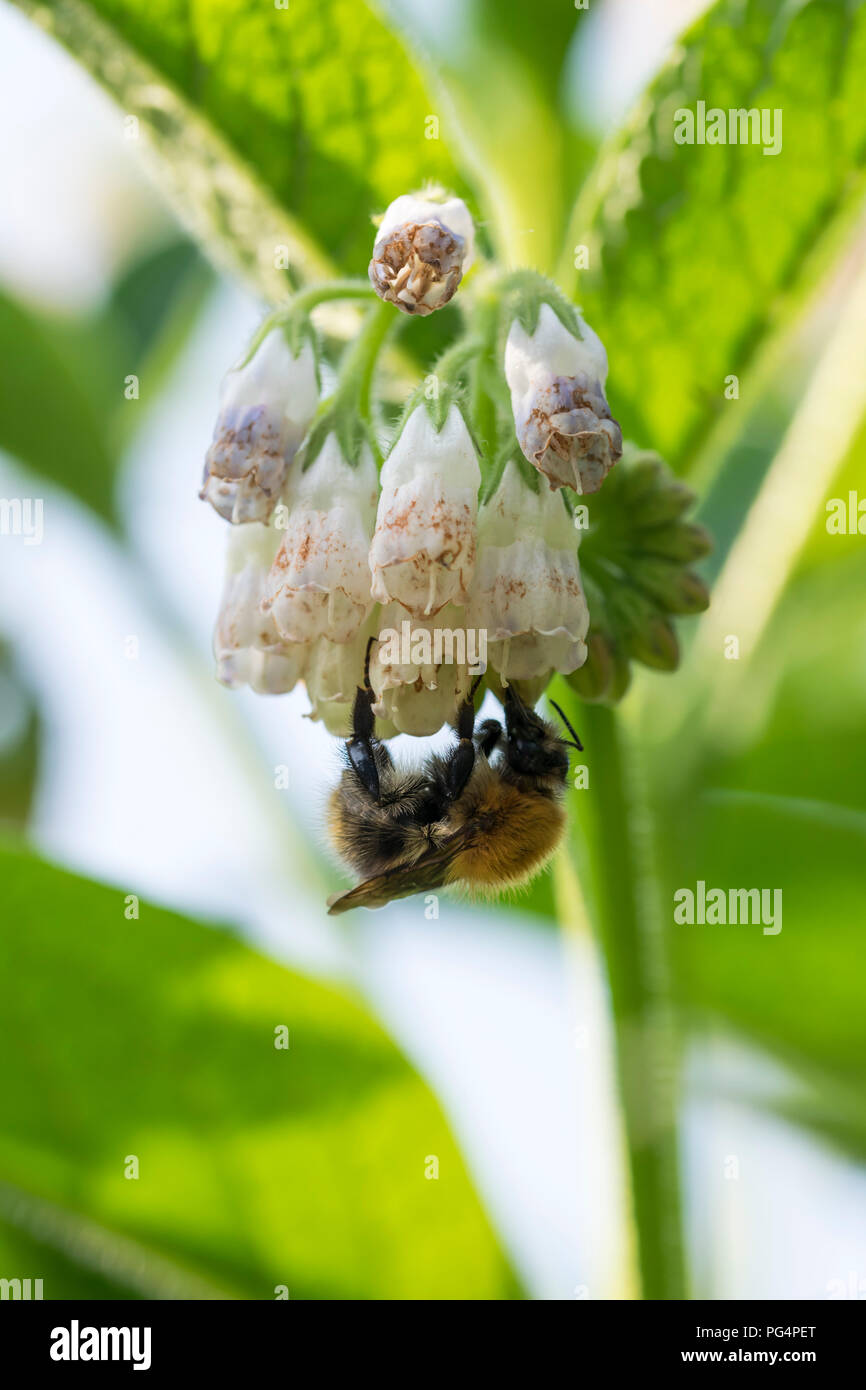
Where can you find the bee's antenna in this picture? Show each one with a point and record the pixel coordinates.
(577, 743)
(474, 686)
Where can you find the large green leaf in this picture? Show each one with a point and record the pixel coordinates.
(19, 744)
(65, 411)
(49, 416)
(697, 252)
(275, 126)
(779, 805)
(258, 1167)
(499, 65)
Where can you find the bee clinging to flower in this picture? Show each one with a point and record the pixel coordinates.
(487, 815)
(374, 550)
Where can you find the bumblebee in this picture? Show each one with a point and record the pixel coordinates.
(486, 815)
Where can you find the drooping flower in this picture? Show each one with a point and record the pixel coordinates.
(561, 415)
(422, 250)
(319, 584)
(527, 591)
(266, 405)
(247, 647)
(420, 670)
(423, 550)
(333, 673)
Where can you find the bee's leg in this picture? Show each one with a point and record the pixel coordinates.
(462, 760)
(359, 748)
(488, 735)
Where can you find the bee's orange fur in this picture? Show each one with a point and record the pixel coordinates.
(520, 830)
(501, 830)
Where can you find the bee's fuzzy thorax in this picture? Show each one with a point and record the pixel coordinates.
(519, 830)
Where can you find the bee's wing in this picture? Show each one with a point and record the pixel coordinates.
(431, 871)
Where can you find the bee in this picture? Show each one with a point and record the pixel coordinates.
(486, 815)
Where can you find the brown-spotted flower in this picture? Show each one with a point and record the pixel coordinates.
(319, 583)
(423, 248)
(561, 415)
(527, 593)
(247, 647)
(266, 405)
(423, 550)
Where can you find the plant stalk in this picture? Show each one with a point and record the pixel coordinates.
(616, 857)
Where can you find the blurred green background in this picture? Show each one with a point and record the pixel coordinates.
(483, 1041)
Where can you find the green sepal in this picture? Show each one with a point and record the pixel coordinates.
(337, 416)
(450, 374)
(635, 562)
(493, 469)
(524, 292)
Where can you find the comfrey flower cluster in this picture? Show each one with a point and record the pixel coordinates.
(450, 538)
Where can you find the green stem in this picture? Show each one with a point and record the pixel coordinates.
(308, 298)
(484, 371)
(348, 410)
(358, 366)
(618, 857)
(304, 302)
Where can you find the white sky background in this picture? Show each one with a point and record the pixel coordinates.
(147, 779)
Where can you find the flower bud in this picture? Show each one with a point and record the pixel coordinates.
(266, 405)
(319, 584)
(422, 250)
(561, 416)
(423, 550)
(247, 646)
(527, 592)
(413, 671)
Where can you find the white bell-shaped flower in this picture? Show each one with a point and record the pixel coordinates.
(319, 584)
(561, 415)
(334, 672)
(423, 249)
(266, 405)
(420, 669)
(247, 647)
(527, 593)
(423, 551)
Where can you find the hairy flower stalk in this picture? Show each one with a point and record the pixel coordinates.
(266, 405)
(319, 583)
(423, 248)
(423, 550)
(561, 415)
(527, 591)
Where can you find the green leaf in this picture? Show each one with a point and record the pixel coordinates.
(778, 805)
(153, 305)
(22, 1256)
(698, 253)
(79, 366)
(49, 417)
(500, 66)
(155, 1038)
(20, 729)
(275, 127)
